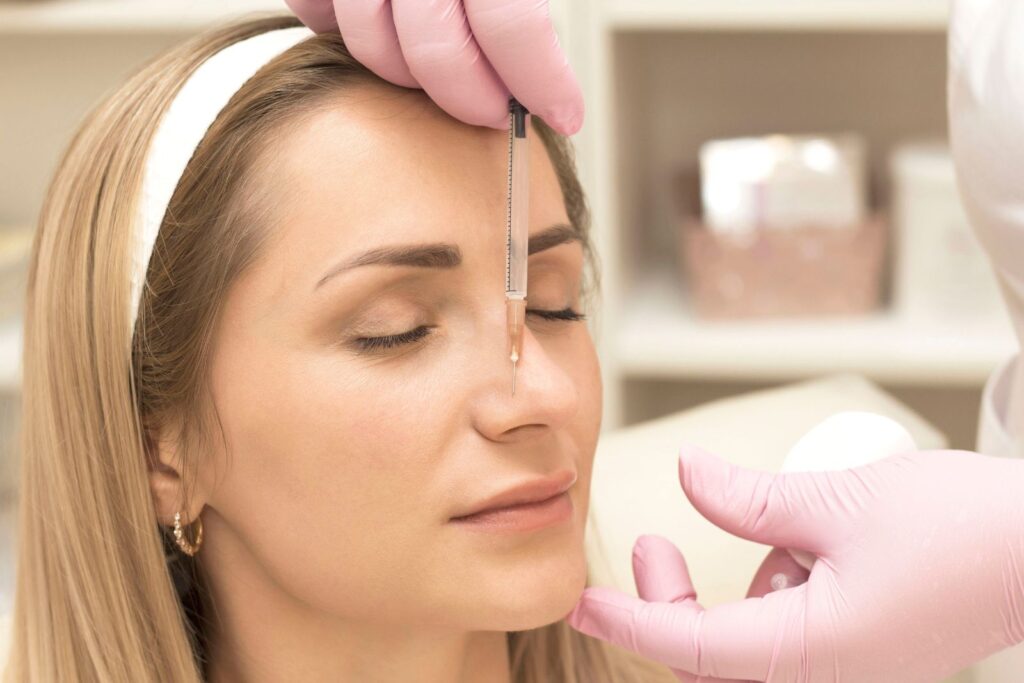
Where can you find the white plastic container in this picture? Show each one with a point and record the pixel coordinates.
(941, 272)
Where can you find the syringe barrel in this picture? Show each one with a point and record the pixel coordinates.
(515, 321)
(520, 210)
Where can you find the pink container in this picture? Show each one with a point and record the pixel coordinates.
(796, 272)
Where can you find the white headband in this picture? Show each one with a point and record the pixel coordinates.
(194, 109)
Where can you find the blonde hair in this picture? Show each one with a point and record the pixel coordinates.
(102, 594)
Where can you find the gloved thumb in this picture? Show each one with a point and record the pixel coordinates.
(792, 510)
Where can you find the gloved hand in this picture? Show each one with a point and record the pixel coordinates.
(468, 55)
(920, 572)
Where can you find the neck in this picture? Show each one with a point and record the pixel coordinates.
(260, 634)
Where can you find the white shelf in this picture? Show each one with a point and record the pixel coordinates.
(781, 15)
(124, 16)
(659, 338)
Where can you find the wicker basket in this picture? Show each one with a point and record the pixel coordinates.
(784, 273)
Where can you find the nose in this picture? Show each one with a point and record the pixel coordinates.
(546, 395)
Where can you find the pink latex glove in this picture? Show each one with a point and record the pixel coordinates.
(920, 572)
(468, 55)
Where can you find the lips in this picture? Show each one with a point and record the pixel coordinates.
(530, 491)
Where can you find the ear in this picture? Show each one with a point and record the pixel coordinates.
(165, 458)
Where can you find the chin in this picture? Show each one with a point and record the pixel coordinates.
(538, 595)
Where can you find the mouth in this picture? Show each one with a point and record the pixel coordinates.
(531, 505)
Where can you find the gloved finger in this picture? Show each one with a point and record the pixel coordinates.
(519, 40)
(660, 571)
(445, 59)
(368, 28)
(737, 640)
(800, 510)
(655, 630)
(661, 575)
(777, 563)
(318, 15)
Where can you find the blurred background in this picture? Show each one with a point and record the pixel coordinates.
(772, 194)
(774, 200)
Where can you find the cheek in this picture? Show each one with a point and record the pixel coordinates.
(574, 352)
(315, 426)
(329, 477)
(587, 370)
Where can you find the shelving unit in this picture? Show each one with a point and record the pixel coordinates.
(660, 339)
(663, 76)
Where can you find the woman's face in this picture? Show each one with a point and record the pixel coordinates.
(363, 410)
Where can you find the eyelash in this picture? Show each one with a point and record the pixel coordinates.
(567, 315)
(372, 344)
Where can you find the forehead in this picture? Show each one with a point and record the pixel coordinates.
(380, 163)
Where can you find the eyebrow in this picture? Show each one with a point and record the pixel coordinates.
(440, 255)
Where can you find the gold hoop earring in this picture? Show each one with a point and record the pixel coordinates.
(187, 547)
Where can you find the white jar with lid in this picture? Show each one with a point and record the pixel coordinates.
(941, 272)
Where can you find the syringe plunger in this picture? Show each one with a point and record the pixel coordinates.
(519, 205)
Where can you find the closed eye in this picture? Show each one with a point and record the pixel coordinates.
(390, 341)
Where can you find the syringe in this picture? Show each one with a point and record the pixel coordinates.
(517, 231)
